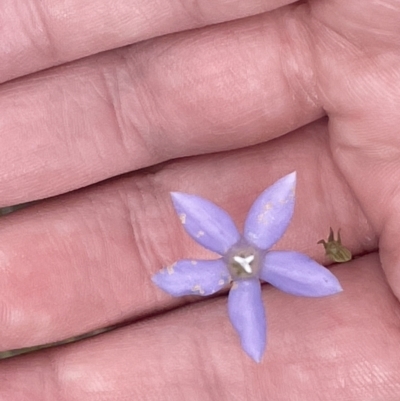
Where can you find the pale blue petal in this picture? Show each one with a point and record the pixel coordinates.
(297, 274)
(246, 312)
(205, 222)
(193, 277)
(271, 213)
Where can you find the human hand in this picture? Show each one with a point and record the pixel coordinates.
(84, 260)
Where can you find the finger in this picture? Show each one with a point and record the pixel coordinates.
(222, 88)
(362, 99)
(85, 260)
(45, 34)
(328, 348)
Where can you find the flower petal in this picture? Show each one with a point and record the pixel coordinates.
(271, 213)
(205, 222)
(246, 312)
(297, 274)
(193, 277)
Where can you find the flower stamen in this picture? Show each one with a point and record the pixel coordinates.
(245, 262)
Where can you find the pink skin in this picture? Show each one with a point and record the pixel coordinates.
(84, 260)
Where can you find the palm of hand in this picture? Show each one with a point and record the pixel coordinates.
(84, 260)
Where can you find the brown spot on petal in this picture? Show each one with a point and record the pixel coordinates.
(262, 217)
(170, 268)
(197, 288)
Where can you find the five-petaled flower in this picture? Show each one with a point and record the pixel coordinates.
(245, 259)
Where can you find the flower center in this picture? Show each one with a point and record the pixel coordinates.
(243, 261)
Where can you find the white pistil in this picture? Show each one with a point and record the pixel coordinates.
(245, 262)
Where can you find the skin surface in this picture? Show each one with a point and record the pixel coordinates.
(257, 90)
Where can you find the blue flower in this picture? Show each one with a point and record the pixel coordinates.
(245, 260)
